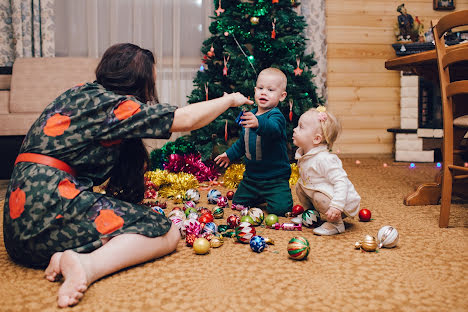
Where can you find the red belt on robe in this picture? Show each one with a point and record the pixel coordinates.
(45, 160)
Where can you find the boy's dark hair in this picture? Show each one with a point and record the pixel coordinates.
(127, 69)
(127, 181)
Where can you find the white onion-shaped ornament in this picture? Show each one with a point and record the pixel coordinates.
(180, 224)
(257, 215)
(193, 215)
(193, 195)
(177, 213)
(388, 237)
(244, 232)
(310, 218)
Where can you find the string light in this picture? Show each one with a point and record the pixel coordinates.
(438, 165)
(412, 165)
(202, 68)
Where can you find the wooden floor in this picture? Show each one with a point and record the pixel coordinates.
(3, 188)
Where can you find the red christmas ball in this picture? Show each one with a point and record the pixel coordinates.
(175, 208)
(204, 210)
(364, 215)
(205, 218)
(233, 221)
(190, 238)
(230, 195)
(297, 210)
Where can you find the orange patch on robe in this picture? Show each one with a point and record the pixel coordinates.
(67, 189)
(126, 109)
(16, 203)
(108, 222)
(56, 125)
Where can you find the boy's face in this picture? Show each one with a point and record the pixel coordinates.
(308, 132)
(268, 92)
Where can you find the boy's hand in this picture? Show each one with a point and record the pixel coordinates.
(222, 160)
(238, 99)
(249, 120)
(333, 214)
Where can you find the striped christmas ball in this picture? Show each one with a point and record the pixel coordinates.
(190, 204)
(213, 196)
(257, 215)
(210, 228)
(179, 222)
(298, 248)
(158, 209)
(311, 218)
(222, 201)
(388, 237)
(193, 195)
(244, 232)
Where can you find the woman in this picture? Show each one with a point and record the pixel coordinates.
(88, 134)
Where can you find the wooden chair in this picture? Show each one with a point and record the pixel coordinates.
(454, 93)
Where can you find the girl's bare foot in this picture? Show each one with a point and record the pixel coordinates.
(52, 273)
(76, 279)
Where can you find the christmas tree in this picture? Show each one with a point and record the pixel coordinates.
(247, 37)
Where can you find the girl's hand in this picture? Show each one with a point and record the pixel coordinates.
(333, 214)
(249, 120)
(222, 160)
(238, 99)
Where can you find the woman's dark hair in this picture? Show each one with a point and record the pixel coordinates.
(127, 69)
(127, 181)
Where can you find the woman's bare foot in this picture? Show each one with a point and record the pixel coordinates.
(75, 273)
(52, 273)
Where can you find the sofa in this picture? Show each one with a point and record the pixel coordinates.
(35, 82)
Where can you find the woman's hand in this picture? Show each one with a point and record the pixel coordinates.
(238, 99)
(222, 160)
(333, 214)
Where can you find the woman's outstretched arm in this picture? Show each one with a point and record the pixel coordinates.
(198, 115)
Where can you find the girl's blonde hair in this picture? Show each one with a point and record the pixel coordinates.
(331, 126)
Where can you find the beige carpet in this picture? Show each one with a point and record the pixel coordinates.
(425, 272)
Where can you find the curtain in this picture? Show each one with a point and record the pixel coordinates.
(314, 14)
(172, 29)
(27, 29)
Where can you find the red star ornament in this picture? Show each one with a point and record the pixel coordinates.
(219, 10)
(298, 71)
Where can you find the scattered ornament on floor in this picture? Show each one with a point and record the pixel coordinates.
(206, 218)
(233, 221)
(287, 226)
(365, 215)
(203, 210)
(201, 246)
(223, 228)
(192, 227)
(257, 243)
(387, 236)
(190, 204)
(218, 213)
(210, 228)
(269, 241)
(257, 215)
(230, 195)
(244, 232)
(177, 213)
(271, 219)
(193, 195)
(213, 196)
(311, 218)
(190, 210)
(297, 220)
(297, 210)
(179, 222)
(238, 207)
(193, 215)
(244, 212)
(368, 244)
(190, 239)
(222, 201)
(247, 218)
(217, 241)
(158, 209)
(178, 199)
(298, 248)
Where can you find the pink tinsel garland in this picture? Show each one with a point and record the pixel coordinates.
(191, 163)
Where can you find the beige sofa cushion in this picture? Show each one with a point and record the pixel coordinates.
(36, 82)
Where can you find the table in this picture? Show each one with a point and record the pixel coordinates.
(425, 64)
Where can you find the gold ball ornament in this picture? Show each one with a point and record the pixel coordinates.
(369, 243)
(201, 246)
(254, 20)
(217, 241)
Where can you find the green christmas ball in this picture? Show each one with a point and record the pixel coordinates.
(251, 58)
(271, 219)
(247, 219)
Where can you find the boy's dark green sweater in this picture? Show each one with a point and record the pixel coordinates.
(264, 148)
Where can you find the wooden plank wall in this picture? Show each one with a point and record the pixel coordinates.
(361, 92)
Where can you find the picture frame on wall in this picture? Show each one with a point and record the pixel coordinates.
(441, 5)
